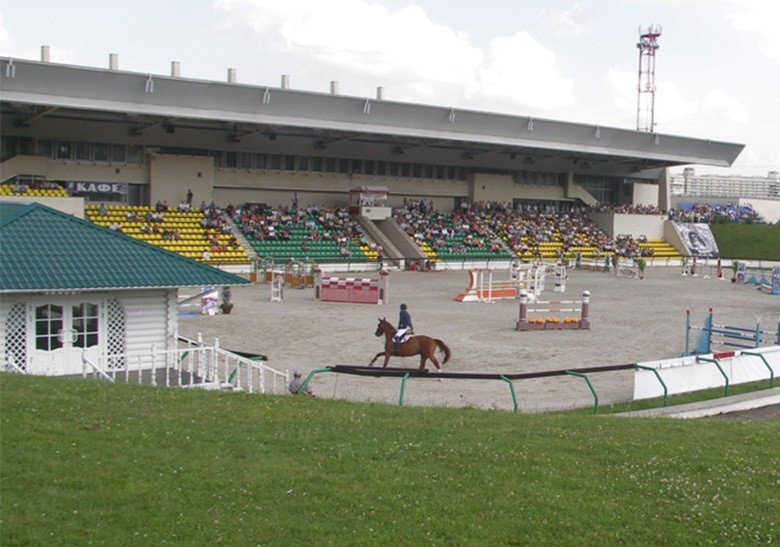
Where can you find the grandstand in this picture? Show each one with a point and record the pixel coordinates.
(181, 232)
(130, 140)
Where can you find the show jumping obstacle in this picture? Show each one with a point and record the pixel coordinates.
(769, 286)
(297, 275)
(727, 336)
(772, 286)
(531, 278)
(706, 270)
(356, 290)
(553, 322)
(277, 287)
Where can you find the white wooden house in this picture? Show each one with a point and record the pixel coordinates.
(73, 293)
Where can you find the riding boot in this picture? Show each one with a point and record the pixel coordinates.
(396, 346)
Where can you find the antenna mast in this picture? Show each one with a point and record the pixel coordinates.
(645, 102)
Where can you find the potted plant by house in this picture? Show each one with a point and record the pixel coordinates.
(227, 305)
(735, 269)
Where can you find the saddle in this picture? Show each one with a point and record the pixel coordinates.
(406, 337)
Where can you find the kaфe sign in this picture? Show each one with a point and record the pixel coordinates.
(76, 187)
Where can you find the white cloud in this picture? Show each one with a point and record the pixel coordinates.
(759, 18)
(572, 23)
(5, 38)
(718, 99)
(671, 107)
(521, 71)
(624, 86)
(423, 59)
(363, 37)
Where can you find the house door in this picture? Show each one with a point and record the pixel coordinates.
(62, 332)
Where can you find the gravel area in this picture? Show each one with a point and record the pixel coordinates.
(631, 320)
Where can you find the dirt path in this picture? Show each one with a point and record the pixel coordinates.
(632, 320)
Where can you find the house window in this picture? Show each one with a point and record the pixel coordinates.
(64, 150)
(48, 326)
(135, 154)
(83, 151)
(231, 159)
(85, 325)
(100, 151)
(118, 153)
(45, 148)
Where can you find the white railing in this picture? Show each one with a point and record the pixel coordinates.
(96, 370)
(192, 364)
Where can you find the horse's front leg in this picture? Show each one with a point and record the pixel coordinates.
(371, 364)
(388, 353)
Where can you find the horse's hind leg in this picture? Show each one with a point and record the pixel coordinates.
(424, 358)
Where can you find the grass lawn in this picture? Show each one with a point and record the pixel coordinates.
(748, 241)
(84, 461)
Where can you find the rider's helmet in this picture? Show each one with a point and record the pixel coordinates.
(403, 306)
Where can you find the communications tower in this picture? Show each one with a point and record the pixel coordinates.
(645, 102)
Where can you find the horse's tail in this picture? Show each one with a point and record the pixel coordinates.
(443, 347)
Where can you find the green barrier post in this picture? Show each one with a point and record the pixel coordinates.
(590, 385)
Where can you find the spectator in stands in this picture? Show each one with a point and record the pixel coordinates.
(102, 211)
(189, 197)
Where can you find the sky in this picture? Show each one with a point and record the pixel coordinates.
(717, 69)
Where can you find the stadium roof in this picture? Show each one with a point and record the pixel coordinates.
(178, 112)
(46, 250)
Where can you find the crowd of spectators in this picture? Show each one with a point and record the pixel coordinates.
(262, 223)
(706, 213)
(491, 227)
(496, 227)
(627, 246)
(626, 208)
(526, 228)
(447, 233)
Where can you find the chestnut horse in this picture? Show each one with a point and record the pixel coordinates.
(424, 346)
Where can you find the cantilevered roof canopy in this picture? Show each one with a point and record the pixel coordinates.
(48, 100)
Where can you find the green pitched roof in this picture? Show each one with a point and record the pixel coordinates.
(42, 249)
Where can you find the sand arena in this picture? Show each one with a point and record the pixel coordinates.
(632, 320)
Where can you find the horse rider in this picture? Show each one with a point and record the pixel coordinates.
(404, 328)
